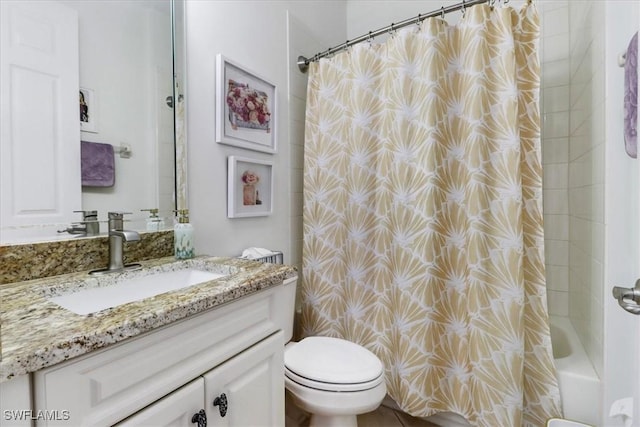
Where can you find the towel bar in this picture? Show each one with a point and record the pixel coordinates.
(622, 59)
(124, 150)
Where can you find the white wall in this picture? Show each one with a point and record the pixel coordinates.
(369, 15)
(302, 42)
(621, 212)
(253, 34)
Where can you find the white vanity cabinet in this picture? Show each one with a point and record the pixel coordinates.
(247, 390)
(163, 376)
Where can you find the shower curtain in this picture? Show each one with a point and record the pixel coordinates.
(423, 236)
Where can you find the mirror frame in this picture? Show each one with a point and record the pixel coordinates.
(178, 35)
(178, 40)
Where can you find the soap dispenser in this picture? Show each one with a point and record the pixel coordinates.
(154, 223)
(183, 236)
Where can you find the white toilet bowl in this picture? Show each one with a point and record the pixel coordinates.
(334, 380)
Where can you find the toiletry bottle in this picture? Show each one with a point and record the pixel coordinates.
(183, 236)
(154, 223)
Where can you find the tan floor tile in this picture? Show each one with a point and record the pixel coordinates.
(409, 421)
(294, 416)
(381, 417)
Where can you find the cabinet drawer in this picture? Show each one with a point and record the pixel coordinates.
(176, 409)
(104, 387)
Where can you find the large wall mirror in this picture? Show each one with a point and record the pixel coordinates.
(127, 94)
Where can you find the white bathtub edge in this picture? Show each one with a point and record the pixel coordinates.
(580, 387)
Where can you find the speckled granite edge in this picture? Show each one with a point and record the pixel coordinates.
(21, 262)
(37, 333)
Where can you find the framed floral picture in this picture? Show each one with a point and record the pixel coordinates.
(88, 114)
(246, 108)
(249, 187)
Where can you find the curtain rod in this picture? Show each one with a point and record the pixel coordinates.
(303, 63)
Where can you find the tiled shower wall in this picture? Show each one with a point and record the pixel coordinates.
(573, 160)
(555, 150)
(586, 175)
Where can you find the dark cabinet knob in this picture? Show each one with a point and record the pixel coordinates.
(200, 418)
(221, 401)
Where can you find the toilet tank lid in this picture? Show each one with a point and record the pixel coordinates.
(332, 360)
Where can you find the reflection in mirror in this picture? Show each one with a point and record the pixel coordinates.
(125, 57)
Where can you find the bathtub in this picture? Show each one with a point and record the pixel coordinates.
(579, 383)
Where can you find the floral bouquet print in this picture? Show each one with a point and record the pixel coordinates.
(248, 108)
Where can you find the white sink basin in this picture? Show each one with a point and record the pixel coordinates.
(134, 289)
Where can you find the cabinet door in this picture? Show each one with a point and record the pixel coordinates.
(248, 390)
(176, 409)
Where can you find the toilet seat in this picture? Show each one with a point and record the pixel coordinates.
(332, 364)
(324, 386)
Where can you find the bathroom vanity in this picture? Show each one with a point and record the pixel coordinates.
(212, 350)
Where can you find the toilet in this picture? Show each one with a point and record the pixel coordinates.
(332, 379)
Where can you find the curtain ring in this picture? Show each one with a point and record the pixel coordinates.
(418, 21)
(464, 8)
(442, 12)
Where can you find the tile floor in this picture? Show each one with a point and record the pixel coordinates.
(382, 417)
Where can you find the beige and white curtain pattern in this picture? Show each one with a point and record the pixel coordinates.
(423, 236)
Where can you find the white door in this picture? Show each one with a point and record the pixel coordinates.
(40, 125)
(182, 408)
(622, 226)
(248, 390)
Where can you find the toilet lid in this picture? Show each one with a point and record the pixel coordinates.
(332, 360)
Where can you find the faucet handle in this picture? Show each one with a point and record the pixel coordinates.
(118, 215)
(116, 220)
(88, 215)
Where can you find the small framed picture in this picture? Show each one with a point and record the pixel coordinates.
(246, 108)
(88, 111)
(250, 187)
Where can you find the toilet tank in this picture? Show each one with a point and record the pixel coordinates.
(287, 300)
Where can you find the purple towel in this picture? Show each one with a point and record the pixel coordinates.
(631, 98)
(97, 164)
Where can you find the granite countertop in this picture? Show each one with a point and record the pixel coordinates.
(36, 333)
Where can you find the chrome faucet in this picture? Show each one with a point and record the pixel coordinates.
(117, 237)
(89, 226)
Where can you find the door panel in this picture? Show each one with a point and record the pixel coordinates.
(40, 125)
